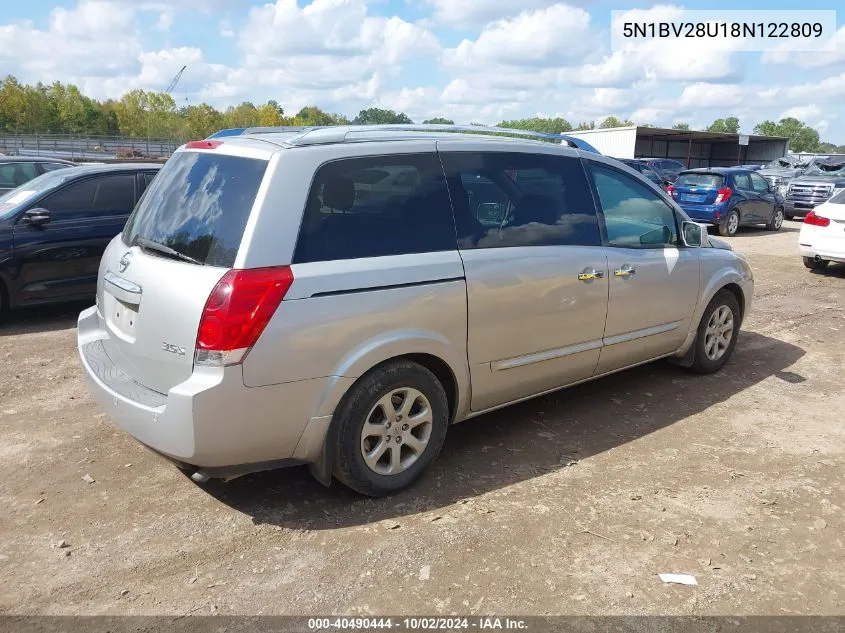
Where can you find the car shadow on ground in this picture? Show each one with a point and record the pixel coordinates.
(754, 231)
(42, 319)
(520, 442)
(760, 231)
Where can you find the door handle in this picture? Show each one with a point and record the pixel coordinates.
(625, 271)
(589, 276)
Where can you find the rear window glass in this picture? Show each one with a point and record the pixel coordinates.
(198, 205)
(700, 180)
(374, 207)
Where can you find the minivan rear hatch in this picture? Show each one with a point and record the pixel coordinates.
(156, 277)
(698, 187)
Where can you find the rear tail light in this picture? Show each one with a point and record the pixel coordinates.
(237, 311)
(670, 189)
(816, 220)
(723, 194)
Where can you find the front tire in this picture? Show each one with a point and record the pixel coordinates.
(717, 333)
(816, 264)
(392, 425)
(730, 226)
(776, 222)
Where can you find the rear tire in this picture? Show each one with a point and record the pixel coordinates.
(730, 226)
(816, 264)
(777, 220)
(717, 333)
(391, 427)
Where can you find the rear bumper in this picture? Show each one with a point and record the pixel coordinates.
(705, 214)
(823, 242)
(837, 255)
(212, 420)
(793, 207)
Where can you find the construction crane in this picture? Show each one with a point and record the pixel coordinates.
(172, 86)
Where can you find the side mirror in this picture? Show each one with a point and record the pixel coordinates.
(695, 235)
(36, 217)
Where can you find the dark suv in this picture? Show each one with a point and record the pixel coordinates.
(54, 229)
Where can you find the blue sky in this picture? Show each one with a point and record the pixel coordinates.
(469, 60)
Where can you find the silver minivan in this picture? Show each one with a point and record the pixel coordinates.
(339, 296)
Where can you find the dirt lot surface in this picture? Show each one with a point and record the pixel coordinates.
(735, 478)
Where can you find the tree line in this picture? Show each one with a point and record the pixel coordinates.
(62, 108)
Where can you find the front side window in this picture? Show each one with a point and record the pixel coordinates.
(15, 174)
(513, 199)
(635, 216)
(376, 207)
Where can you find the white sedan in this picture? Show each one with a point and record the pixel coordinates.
(822, 237)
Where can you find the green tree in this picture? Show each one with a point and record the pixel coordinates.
(380, 116)
(586, 125)
(538, 124)
(802, 138)
(201, 121)
(269, 116)
(243, 115)
(312, 115)
(681, 126)
(131, 112)
(729, 125)
(439, 120)
(612, 121)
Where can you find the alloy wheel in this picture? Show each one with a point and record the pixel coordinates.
(396, 431)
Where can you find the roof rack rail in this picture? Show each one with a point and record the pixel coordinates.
(318, 135)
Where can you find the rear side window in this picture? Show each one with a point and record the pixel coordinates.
(513, 199)
(53, 166)
(198, 205)
(374, 207)
(15, 174)
(742, 181)
(101, 196)
(700, 180)
(115, 195)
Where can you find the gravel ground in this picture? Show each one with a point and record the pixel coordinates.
(735, 478)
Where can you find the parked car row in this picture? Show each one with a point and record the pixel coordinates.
(55, 227)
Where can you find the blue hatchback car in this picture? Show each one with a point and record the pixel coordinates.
(728, 197)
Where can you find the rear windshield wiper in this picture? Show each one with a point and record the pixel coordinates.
(149, 245)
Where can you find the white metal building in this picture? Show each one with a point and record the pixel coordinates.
(693, 148)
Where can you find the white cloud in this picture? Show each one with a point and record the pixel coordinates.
(464, 13)
(165, 21)
(73, 45)
(706, 95)
(531, 39)
(802, 113)
(833, 54)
